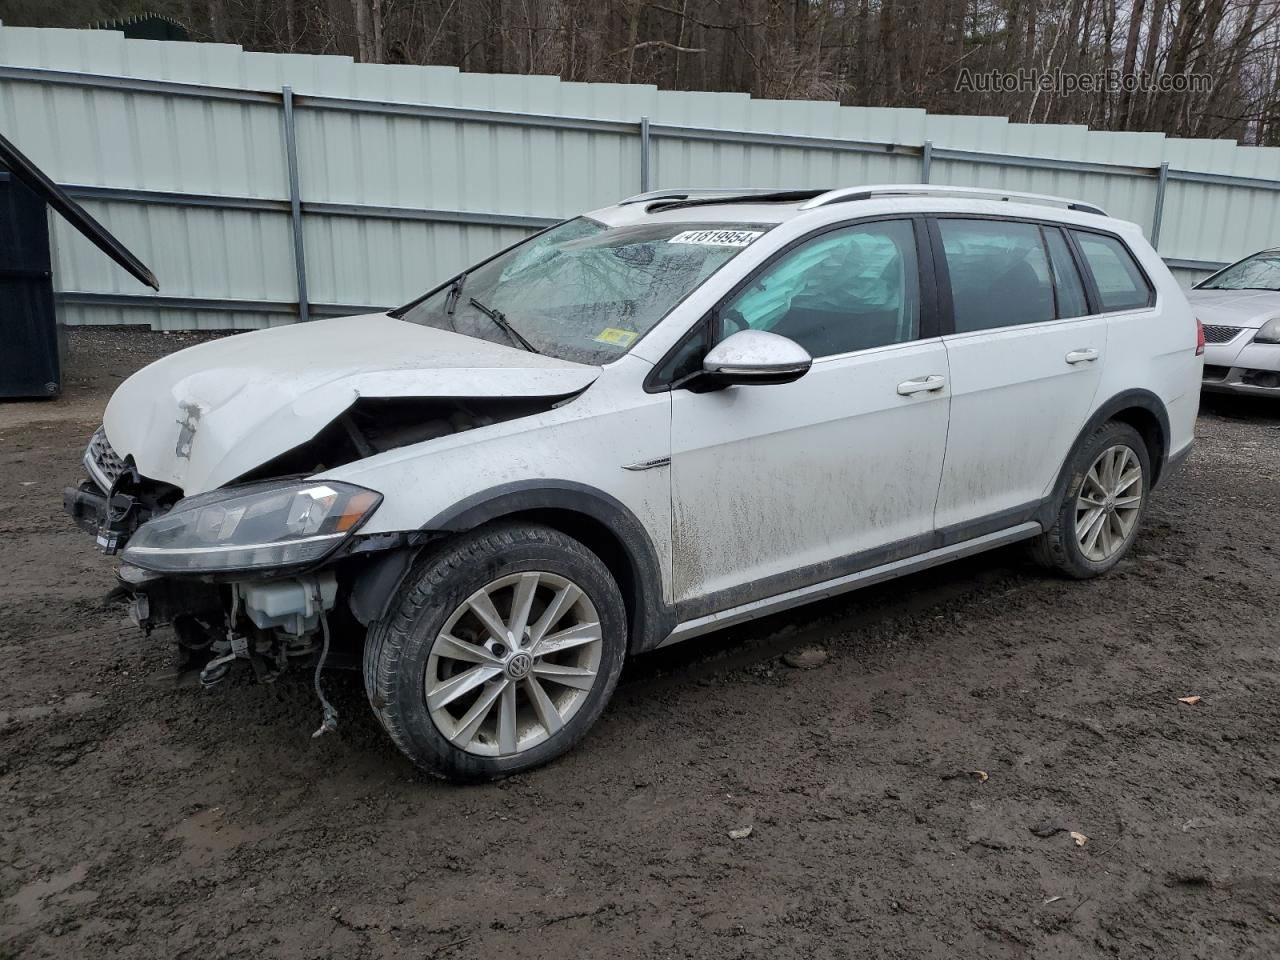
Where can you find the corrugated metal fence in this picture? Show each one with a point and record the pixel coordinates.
(262, 188)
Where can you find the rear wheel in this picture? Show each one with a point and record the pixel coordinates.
(1104, 503)
(500, 651)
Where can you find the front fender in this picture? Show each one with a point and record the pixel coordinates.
(598, 519)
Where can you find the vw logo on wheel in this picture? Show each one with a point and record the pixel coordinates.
(519, 665)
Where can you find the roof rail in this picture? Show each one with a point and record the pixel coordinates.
(694, 193)
(756, 196)
(930, 190)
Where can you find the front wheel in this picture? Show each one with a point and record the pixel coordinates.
(1104, 503)
(500, 651)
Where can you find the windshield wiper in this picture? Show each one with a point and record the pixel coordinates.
(1268, 289)
(455, 292)
(500, 319)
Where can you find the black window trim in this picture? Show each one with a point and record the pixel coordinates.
(929, 325)
(1053, 274)
(1082, 272)
(946, 309)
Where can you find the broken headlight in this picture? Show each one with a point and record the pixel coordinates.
(265, 526)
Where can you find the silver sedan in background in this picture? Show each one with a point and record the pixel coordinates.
(1240, 309)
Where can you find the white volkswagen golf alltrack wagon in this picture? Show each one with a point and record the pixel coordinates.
(638, 426)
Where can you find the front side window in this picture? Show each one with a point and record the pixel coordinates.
(1120, 283)
(583, 290)
(1259, 272)
(999, 273)
(849, 289)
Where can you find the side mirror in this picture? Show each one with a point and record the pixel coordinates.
(755, 356)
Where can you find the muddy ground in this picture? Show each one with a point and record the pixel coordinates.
(140, 820)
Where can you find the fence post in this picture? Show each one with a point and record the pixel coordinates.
(926, 159)
(295, 203)
(1158, 215)
(644, 154)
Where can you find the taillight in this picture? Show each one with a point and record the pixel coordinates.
(1199, 338)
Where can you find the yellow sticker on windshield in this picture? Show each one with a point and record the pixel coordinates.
(616, 337)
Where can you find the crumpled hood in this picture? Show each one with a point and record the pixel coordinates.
(203, 416)
(1235, 308)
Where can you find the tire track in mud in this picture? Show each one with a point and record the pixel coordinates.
(836, 621)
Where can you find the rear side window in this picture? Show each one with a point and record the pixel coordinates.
(999, 273)
(1121, 284)
(1071, 299)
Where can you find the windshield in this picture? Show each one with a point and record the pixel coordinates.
(1259, 272)
(583, 291)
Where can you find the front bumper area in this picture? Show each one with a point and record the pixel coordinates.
(133, 498)
(86, 505)
(158, 601)
(109, 525)
(1244, 380)
(1242, 366)
(220, 621)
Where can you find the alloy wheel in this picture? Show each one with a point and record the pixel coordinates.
(513, 663)
(1109, 502)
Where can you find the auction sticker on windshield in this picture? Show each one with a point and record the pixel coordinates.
(619, 338)
(719, 238)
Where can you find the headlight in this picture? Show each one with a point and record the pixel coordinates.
(1269, 333)
(267, 525)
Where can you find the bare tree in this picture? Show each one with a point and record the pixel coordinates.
(870, 52)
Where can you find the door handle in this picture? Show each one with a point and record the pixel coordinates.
(1087, 355)
(935, 381)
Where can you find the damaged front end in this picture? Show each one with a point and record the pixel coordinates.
(201, 479)
(250, 572)
(270, 571)
(115, 500)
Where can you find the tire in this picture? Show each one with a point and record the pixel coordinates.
(1060, 547)
(405, 652)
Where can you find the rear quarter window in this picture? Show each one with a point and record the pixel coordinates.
(1120, 281)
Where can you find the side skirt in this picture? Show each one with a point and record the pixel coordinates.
(853, 581)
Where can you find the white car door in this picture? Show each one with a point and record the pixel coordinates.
(781, 486)
(1026, 360)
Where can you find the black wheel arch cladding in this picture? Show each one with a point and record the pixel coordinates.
(598, 520)
(1142, 410)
